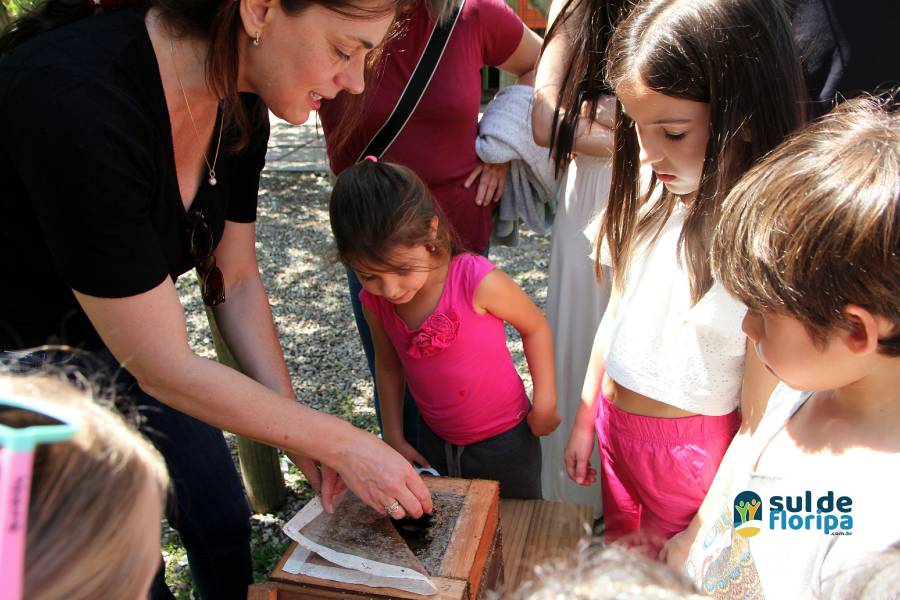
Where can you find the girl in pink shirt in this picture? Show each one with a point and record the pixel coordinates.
(436, 315)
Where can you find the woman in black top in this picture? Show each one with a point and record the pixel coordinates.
(132, 145)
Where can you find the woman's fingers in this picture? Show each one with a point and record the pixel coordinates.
(473, 176)
(487, 185)
(331, 487)
(309, 468)
(411, 503)
(407, 504)
(380, 476)
(420, 491)
(492, 183)
(500, 175)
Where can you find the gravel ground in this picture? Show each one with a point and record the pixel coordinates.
(307, 291)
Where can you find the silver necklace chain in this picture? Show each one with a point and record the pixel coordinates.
(211, 167)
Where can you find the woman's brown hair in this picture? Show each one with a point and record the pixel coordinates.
(736, 55)
(816, 225)
(377, 207)
(217, 21)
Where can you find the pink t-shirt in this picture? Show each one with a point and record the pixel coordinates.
(438, 141)
(457, 364)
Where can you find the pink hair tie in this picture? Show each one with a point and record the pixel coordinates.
(372, 158)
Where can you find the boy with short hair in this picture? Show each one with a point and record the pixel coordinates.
(810, 241)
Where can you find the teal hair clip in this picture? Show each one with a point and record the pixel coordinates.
(17, 443)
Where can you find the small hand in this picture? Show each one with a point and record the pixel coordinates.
(578, 456)
(491, 183)
(407, 451)
(543, 422)
(675, 551)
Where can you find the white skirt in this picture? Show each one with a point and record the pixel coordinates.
(575, 305)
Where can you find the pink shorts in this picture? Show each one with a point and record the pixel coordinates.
(655, 472)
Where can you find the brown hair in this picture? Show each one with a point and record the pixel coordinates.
(593, 22)
(217, 21)
(600, 572)
(84, 494)
(736, 55)
(816, 225)
(377, 206)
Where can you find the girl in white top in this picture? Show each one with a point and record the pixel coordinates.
(704, 88)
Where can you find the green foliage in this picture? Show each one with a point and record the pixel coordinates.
(12, 9)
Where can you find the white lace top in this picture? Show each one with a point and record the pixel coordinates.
(657, 344)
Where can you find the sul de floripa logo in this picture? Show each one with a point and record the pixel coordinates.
(829, 514)
(747, 514)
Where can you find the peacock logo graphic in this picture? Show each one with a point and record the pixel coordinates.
(748, 514)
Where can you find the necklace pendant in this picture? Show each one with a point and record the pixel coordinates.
(212, 179)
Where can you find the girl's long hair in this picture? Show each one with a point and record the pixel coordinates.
(736, 55)
(217, 21)
(593, 22)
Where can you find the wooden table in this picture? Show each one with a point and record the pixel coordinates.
(533, 532)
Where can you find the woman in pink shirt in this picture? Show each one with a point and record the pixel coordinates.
(436, 315)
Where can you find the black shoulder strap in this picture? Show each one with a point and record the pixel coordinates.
(415, 87)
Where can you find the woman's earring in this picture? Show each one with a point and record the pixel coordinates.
(431, 248)
(256, 39)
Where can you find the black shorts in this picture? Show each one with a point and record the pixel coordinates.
(513, 458)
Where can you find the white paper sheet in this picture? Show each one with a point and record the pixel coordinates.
(345, 567)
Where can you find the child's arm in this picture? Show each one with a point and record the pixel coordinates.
(391, 390)
(580, 446)
(499, 295)
(583, 435)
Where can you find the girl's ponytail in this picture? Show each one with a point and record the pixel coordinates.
(377, 206)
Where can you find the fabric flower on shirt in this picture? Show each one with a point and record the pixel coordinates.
(437, 332)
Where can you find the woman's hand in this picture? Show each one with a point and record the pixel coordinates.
(491, 183)
(578, 456)
(543, 421)
(324, 480)
(380, 477)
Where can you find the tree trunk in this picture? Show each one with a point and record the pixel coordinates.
(260, 465)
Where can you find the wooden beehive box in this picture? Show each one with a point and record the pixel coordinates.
(471, 564)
